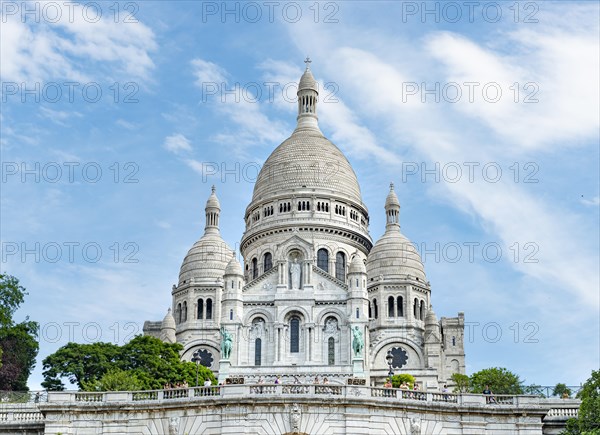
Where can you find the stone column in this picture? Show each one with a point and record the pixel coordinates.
(409, 304)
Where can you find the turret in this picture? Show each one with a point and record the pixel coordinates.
(167, 328)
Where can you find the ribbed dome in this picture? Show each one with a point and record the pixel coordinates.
(207, 259)
(357, 265)
(305, 161)
(431, 318)
(209, 256)
(234, 268)
(169, 321)
(307, 81)
(394, 257)
(392, 198)
(213, 201)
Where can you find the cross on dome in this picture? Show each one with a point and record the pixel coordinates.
(307, 61)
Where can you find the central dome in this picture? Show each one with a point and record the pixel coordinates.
(307, 161)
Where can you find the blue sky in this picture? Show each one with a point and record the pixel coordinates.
(486, 120)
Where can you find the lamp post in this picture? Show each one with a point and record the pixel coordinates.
(390, 358)
(196, 359)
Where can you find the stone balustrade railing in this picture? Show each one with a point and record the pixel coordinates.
(307, 390)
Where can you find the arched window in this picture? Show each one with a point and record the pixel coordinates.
(391, 311)
(200, 308)
(208, 309)
(375, 308)
(422, 311)
(295, 335)
(340, 266)
(415, 308)
(370, 312)
(178, 313)
(257, 351)
(323, 259)
(453, 341)
(254, 268)
(268, 262)
(230, 314)
(400, 306)
(184, 312)
(331, 351)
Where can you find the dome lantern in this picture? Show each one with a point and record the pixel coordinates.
(308, 96)
(392, 209)
(213, 210)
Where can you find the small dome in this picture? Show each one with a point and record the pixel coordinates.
(168, 322)
(357, 265)
(234, 268)
(206, 260)
(431, 318)
(213, 201)
(392, 198)
(395, 257)
(307, 81)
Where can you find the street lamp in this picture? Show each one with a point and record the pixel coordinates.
(196, 359)
(390, 358)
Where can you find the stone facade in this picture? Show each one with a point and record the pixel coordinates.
(312, 278)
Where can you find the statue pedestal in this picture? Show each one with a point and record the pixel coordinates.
(224, 366)
(358, 367)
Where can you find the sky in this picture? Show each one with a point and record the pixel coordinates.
(118, 117)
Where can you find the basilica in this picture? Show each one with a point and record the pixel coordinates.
(313, 295)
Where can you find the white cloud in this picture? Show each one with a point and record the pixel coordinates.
(59, 117)
(74, 49)
(208, 73)
(594, 202)
(484, 132)
(251, 125)
(177, 143)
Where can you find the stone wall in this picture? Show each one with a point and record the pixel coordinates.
(282, 409)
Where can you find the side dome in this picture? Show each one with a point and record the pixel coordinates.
(207, 259)
(210, 255)
(357, 265)
(394, 256)
(234, 268)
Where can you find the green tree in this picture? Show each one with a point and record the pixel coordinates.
(588, 420)
(115, 380)
(397, 380)
(500, 381)
(461, 383)
(79, 363)
(12, 295)
(560, 390)
(152, 363)
(18, 341)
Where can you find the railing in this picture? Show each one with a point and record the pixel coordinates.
(21, 414)
(560, 408)
(23, 396)
(563, 412)
(89, 397)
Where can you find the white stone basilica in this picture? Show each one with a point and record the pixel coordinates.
(315, 296)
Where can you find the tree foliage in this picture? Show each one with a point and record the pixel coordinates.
(461, 382)
(115, 380)
(12, 295)
(499, 380)
(18, 341)
(560, 390)
(397, 380)
(99, 365)
(588, 420)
